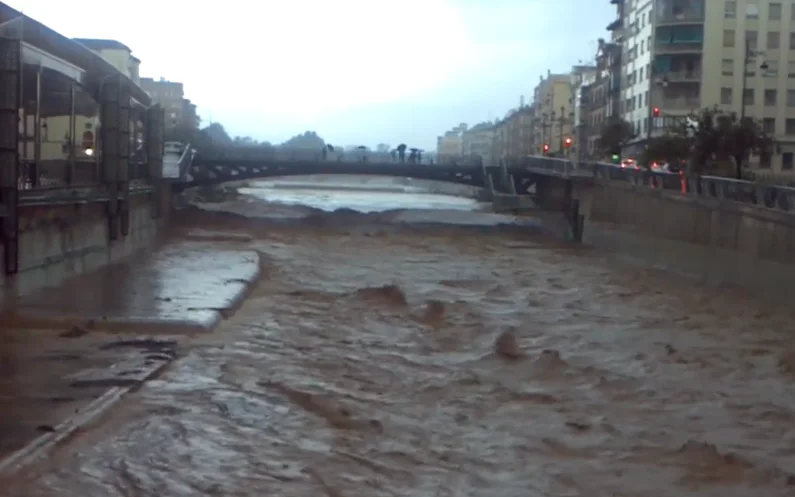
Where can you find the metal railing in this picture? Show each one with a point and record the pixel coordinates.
(286, 155)
(185, 160)
(776, 197)
(57, 174)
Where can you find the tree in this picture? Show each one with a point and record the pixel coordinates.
(306, 140)
(672, 147)
(722, 137)
(383, 148)
(615, 134)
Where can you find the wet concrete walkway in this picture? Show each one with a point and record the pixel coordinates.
(76, 348)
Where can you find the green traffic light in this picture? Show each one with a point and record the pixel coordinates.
(616, 158)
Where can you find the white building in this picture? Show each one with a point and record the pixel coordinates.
(637, 56)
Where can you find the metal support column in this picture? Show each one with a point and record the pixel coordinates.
(109, 95)
(154, 155)
(10, 85)
(124, 160)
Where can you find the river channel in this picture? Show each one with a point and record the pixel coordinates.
(363, 364)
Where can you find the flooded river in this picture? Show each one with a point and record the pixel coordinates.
(363, 364)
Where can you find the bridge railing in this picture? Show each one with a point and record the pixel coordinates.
(288, 154)
(185, 161)
(729, 189)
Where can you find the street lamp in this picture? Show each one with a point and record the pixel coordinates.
(750, 55)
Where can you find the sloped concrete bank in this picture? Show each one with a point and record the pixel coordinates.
(79, 347)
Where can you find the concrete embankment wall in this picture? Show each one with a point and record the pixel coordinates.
(58, 242)
(718, 242)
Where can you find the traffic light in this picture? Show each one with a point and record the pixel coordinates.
(616, 158)
(546, 148)
(567, 142)
(656, 112)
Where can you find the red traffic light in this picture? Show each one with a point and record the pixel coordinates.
(546, 148)
(568, 142)
(656, 111)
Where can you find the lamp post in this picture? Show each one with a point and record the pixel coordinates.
(748, 57)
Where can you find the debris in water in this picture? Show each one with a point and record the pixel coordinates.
(507, 346)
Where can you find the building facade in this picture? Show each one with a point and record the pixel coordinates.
(684, 55)
(478, 141)
(747, 44)
(449, 146)
(636, 98)
(602, 97)
(118, 54)
(553, 112)
(170, 95)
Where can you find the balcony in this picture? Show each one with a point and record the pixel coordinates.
(680, 18)
(680, 77)
(678, 47)
(679, 104)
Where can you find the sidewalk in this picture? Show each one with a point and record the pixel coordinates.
(70, 352)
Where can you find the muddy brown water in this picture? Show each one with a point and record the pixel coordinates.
(363, 364)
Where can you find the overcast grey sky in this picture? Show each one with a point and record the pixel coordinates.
(355, 71)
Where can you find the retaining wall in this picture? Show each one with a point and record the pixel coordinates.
(716, 241)
(58, 242)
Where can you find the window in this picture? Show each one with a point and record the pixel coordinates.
(727, 67)
(773, 40)
(786, 159)
(646, 98)
(641, 74)
(789, 126)
(770, 98)
(728, 38)
(791, 69)
(774, 12)
(792, 39)
(726, 96)
(730, 9)
(752, 39)
(790, 98)
(751, 11)
(769, 125)
(748, 96)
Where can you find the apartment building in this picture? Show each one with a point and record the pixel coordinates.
(553, 112)
(190, 117)
(685, 55)
(170, 95)
(580, 78)
(478, 141)
(449, 146)
(636, 38)
(117, 53)
(751, 44)
(602, 98)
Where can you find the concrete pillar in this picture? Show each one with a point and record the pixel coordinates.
(110, 153)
